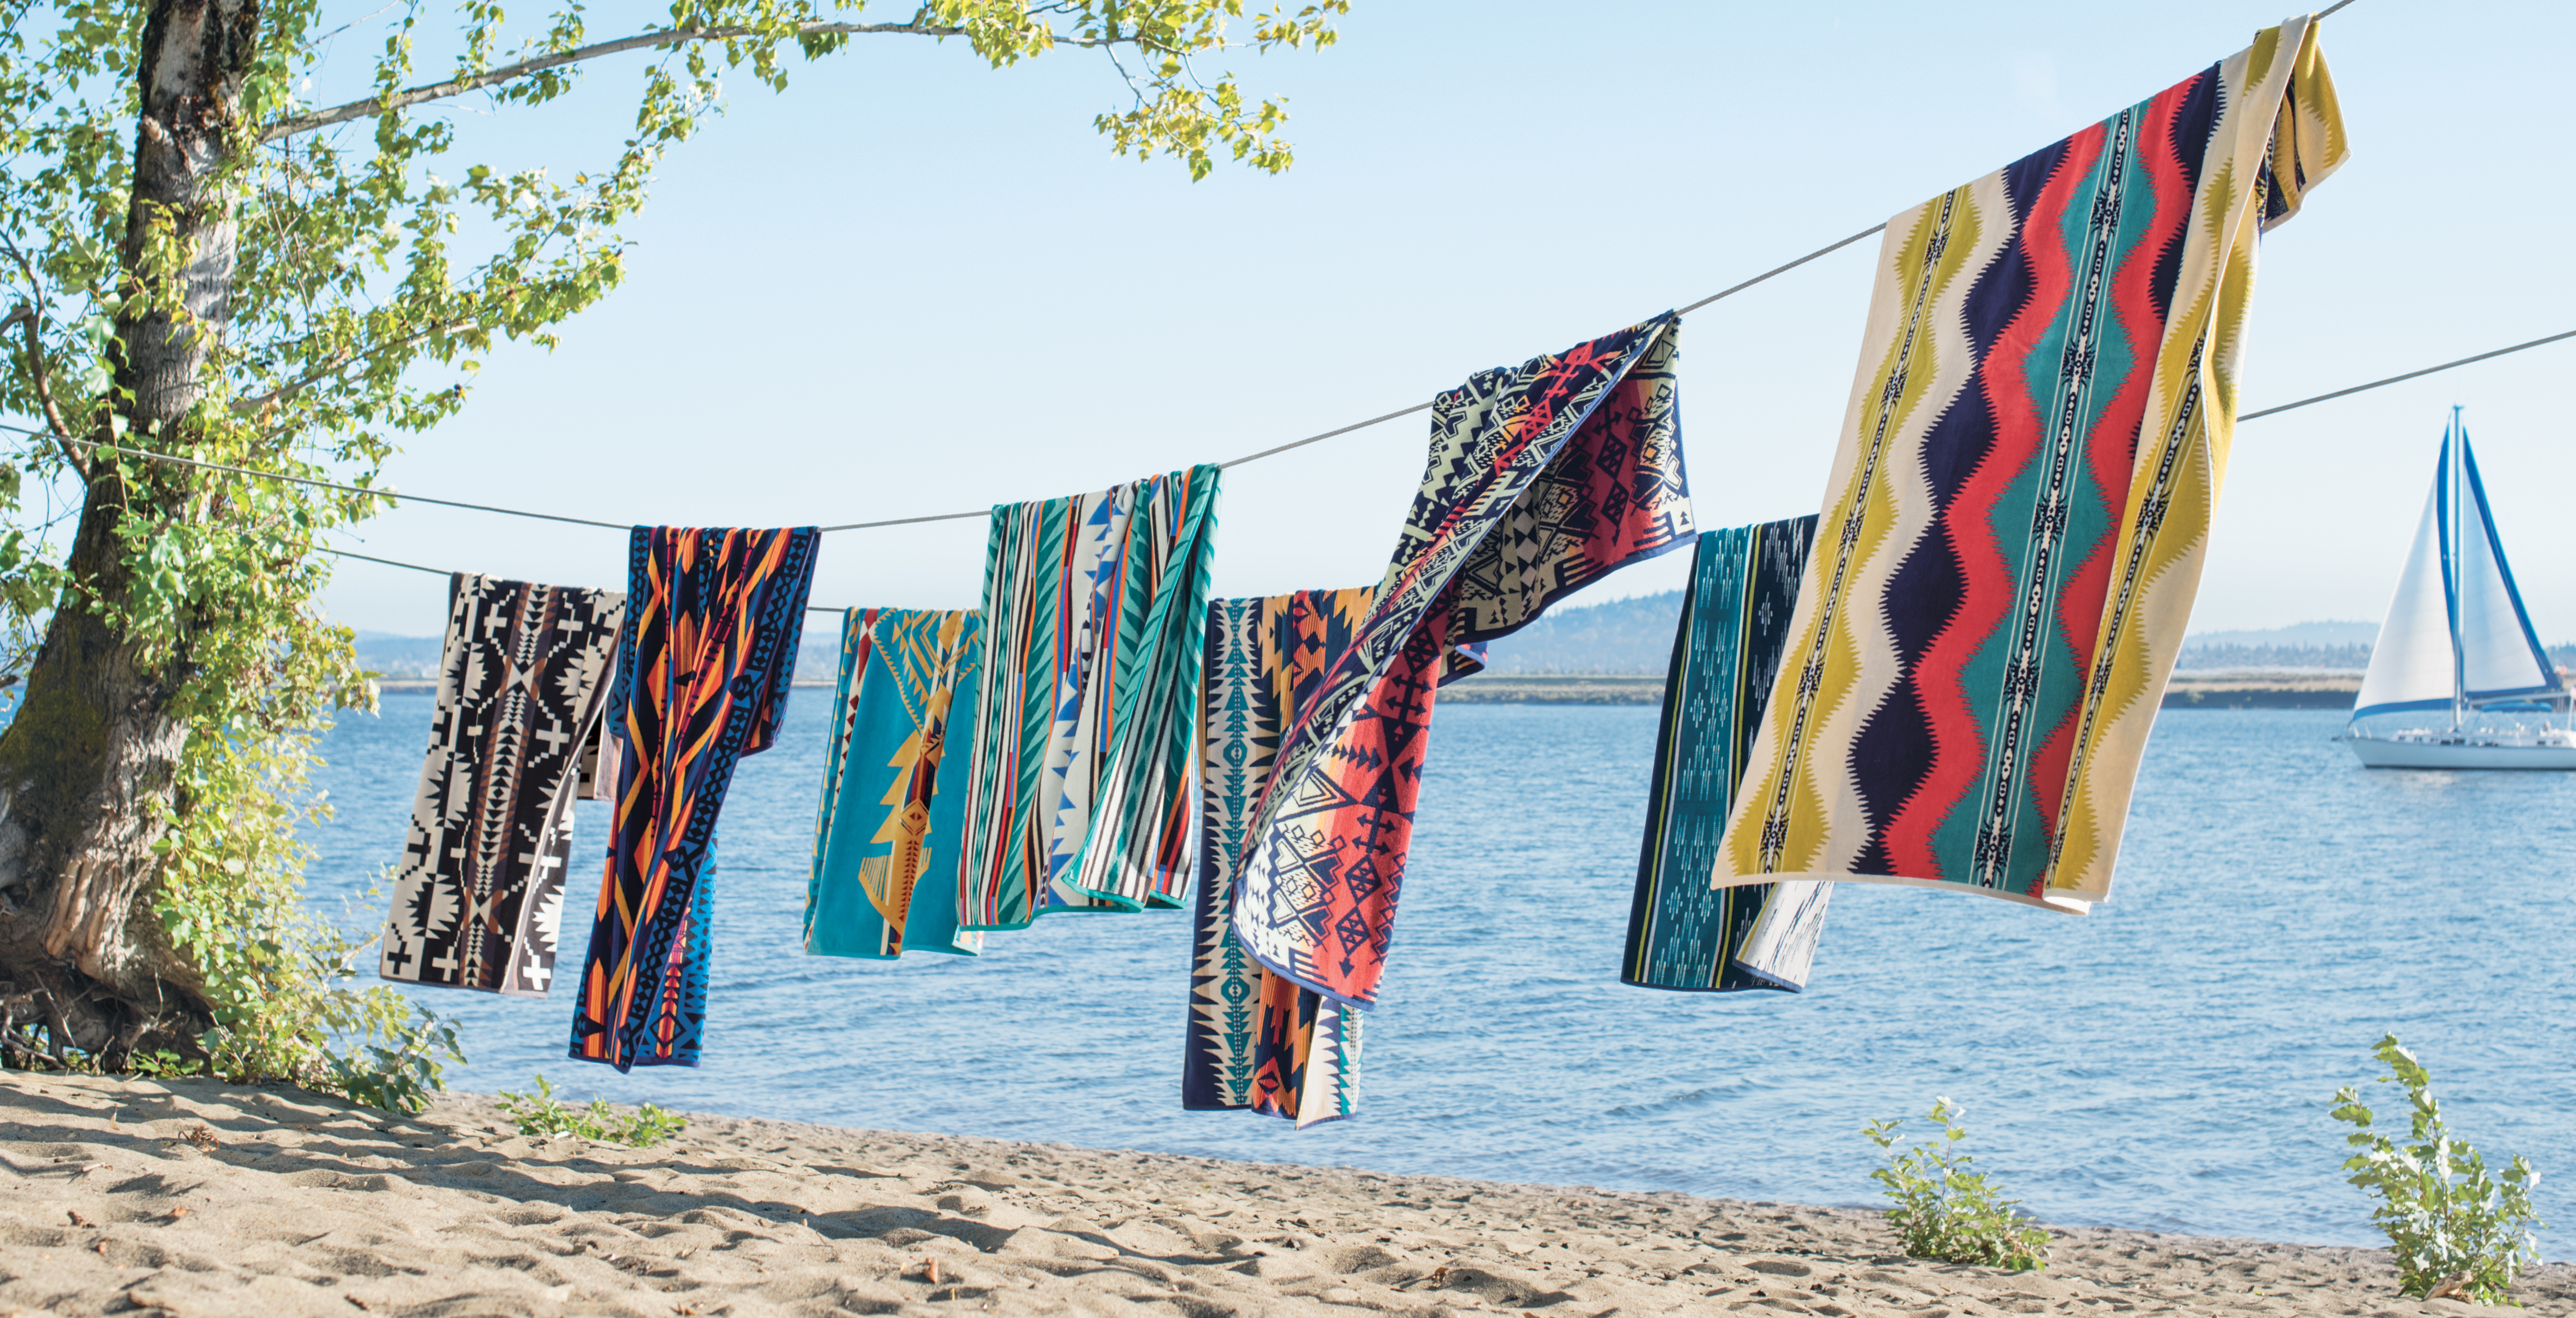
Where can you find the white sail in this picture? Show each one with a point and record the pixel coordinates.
(2412, 665)
(2456, 632)
(2500, 654)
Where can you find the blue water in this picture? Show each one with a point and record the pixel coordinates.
(2165, 1063)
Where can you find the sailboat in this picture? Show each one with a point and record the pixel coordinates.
(2457, 640)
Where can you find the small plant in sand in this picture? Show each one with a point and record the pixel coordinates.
(542, 1114)
(2458, 1231)
(1943, 1210)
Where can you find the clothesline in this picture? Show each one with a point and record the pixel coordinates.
(149, 455)
(819, 608)
(2249, 416)
(442, 572)
(1775, 271)
(1237, 462)
(2395, 379)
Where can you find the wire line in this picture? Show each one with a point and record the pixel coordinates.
(1310, 439)
(1236, 462)
(1826, 250)
(443, 572)
(148, 455)
(1392, 415)
(2249, 416)
(96, 447)
(351, 553)
(2570, 334)
(1784, 269)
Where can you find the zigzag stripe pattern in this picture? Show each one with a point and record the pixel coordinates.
(2021, 501)
(702, 680)
(478, 899)
(1541, 479)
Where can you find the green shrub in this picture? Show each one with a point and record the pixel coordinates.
(284, 1008)
(230, 890)
(1944, 1211)
(2456, 1230)
(280, 979)
(542, 1114)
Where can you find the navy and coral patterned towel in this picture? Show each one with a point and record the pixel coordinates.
(1683, 934)
(1541, 479)
(1078, 786)
(2020, 504)
(1254, 1038)
(710, 644)
(478, 900)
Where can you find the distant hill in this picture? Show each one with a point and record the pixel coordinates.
(2207, 658)
(2337, 632)
(1632, 635)
(2331, 644)
(818, 660)
(1636, 636)
(388, 655)
(1616, 637)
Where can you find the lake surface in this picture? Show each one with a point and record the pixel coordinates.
(2165, 1063)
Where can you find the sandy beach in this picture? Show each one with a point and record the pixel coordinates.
(195, 1197)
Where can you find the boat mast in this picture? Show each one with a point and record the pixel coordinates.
(2454, 472)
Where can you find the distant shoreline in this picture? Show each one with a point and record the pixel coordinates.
(2193, 690)
(409, 685)
(2189, 690)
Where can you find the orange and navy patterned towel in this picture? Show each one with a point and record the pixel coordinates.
(1542, 479)
(713, 618)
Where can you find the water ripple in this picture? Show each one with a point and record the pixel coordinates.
(2163, 1064)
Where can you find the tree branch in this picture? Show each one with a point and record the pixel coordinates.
(286, 392)
(375, 105)
(25, 318)
(36, 359)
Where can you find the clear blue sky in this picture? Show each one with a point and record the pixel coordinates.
(913, 284)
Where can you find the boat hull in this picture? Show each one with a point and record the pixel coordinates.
(2390, 753)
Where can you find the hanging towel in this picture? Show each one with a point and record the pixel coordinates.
(597, 779)
(702, 674)
(1541, 479)
(1078, 791)
(478, 900)
(893, 819)
(1256, 1039)
(1682, 934)
(2017, 515)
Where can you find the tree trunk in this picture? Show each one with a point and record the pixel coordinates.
(87, 767)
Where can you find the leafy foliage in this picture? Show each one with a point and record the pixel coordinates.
(370, 265)
(542, 1114)
(279, 977)
(2457, 1230)
(1945, 1211)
